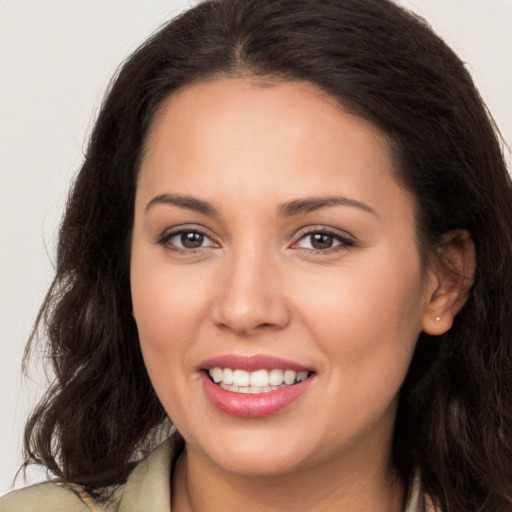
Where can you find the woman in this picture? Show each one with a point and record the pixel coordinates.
(290, 236)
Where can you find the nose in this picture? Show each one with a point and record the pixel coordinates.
(251, 296)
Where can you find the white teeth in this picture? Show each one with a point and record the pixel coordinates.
(228, 376)
(289, 377)
(259, 378)
(240, 378)
(217, 374)
(276, 377)
(259, 381)
(249, 389)
(302, 376)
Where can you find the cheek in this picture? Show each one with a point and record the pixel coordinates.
(367, 329)
(366, 317)
(167, 310)
(167, 304)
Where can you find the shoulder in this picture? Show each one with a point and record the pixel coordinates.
(58, 496)
(147, 488)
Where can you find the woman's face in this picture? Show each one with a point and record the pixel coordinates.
(271, 240)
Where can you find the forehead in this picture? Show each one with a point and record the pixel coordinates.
(232, 136)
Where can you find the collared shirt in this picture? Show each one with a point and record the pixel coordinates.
(147, 489)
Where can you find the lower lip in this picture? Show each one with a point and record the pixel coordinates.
(253, 405)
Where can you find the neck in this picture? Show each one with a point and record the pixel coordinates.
(368, 486)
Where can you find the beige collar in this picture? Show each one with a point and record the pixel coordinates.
(148, 486)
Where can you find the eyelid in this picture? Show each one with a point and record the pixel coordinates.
(346, 239)
(168, 234)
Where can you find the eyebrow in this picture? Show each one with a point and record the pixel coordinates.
(310, 204)
(288, 209)
(188, 202)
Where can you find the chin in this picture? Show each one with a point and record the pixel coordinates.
(257, 454)
(258, 465)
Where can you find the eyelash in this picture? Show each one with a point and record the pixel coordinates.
(167, 237)
(344, 244)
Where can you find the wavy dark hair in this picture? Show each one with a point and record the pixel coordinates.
(454, 419)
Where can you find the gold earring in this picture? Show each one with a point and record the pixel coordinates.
(436, 319)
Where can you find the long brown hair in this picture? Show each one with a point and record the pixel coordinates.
(454, 419)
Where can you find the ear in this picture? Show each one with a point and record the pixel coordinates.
(450, 279)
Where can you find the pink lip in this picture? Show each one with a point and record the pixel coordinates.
(253, 406)
(251, 363)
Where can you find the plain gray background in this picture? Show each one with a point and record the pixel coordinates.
(56, 58)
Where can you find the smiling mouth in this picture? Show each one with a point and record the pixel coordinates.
(256, 382)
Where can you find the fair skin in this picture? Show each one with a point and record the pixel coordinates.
(336, 287)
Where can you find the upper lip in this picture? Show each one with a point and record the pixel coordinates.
(252, 363)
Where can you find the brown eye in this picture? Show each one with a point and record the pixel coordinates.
(191, 240)
(187, 241)
(321, 241)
